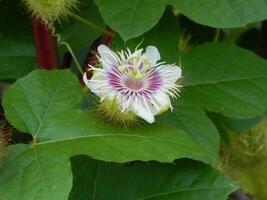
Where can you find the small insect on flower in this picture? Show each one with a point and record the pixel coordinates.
(136, 82)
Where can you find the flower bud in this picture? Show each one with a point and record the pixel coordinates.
(50, 10)
(111, 111)
(244, 160)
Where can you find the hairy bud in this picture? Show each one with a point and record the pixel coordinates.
(245, 159)
(110, 112)
(50, 10)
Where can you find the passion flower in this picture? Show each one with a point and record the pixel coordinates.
(137, 82)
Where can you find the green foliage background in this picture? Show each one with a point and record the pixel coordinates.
(76, 155)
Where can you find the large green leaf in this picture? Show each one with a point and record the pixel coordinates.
(222, 13)
(45, 104)
(183, 180)
(31, 174)
(131, 18)
(226, 79)
(17, 54)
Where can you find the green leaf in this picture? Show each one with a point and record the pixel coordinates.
(77, 33)
(193, 121)
(33, 174)
(17, 54)
(183, 180)
(40, 96)
(222, 13)
(165, 36)
(14, 67)
(132, 18)
(225, 79)
(236, 125)
(45, 104)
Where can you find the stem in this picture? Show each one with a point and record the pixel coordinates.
(90, 24)
(217, 35)
(45, 45)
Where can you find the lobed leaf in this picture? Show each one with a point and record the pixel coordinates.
(226, 79)
(183, 180)
(45, 104)
(32, 174)
(132, 18)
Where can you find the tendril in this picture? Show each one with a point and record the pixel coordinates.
(60, 42)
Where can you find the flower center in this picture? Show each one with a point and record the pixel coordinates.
(135, 67)
(134, 84)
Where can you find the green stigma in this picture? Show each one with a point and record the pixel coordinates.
(133, 69)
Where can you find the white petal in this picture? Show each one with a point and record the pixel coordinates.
(141, 110)
(137, 53)
(111, 95)
(170, 74)
(163, 103)
(85, 80)
(99, 85)
(108, 56)
(152, 54)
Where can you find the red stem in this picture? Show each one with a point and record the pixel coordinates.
(45, 45)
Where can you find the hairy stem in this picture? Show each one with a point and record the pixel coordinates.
(45, 45)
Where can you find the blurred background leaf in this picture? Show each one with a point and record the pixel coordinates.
(17, 54)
